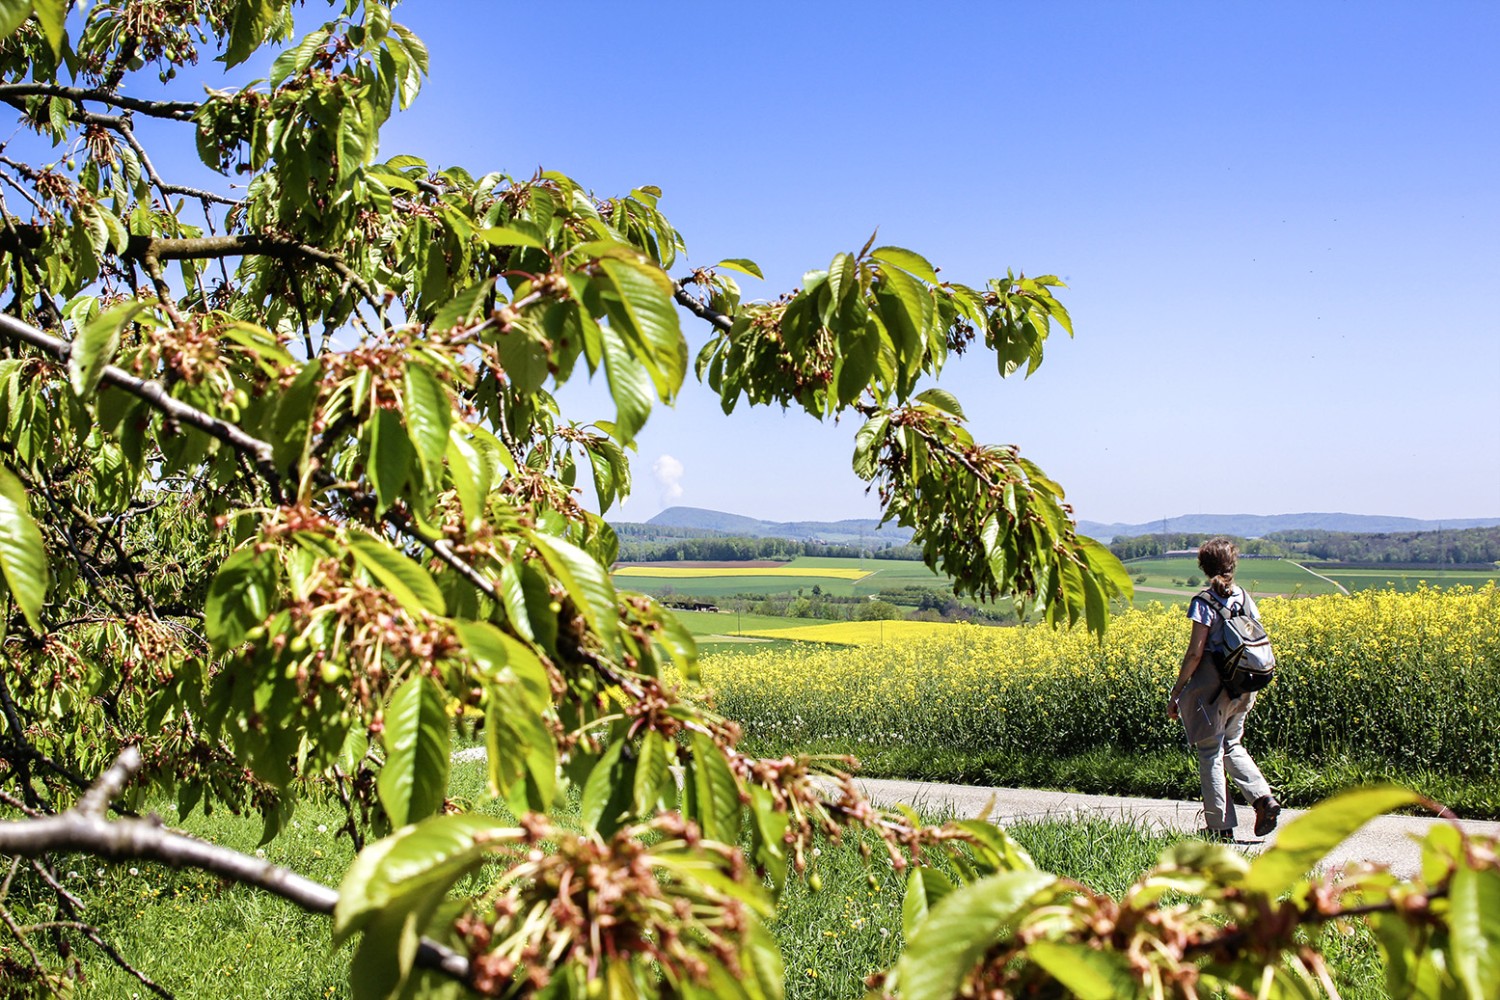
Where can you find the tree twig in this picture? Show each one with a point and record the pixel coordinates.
(86, 829)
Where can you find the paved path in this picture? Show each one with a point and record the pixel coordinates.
(1387, 840)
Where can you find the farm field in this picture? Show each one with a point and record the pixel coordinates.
(1407, 580)
(873, 633)
(1259, 576)
(840, 577)
(1375, 686)
(731, 623)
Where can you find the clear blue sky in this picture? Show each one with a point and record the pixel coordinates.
(1280, 222)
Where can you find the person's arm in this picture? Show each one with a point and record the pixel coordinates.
(1190, 661)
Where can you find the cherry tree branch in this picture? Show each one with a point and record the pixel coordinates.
(85, 828)
(182, 111)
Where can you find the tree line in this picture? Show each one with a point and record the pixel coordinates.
(1461, 546)
(742, 549)
(1464, 546)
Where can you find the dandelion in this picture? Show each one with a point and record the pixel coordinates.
(322, 827)
(133, 871)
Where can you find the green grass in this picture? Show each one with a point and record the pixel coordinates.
(1260, 577)
(1407, 580)
(206, 939)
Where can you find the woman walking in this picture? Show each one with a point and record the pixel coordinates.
(1214, 721)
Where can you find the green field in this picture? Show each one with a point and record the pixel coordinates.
(1407, 580)
(731, 622)
(1261, 577)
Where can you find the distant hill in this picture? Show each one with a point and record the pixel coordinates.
(856, 531)
(688, 521)
(1260, 525)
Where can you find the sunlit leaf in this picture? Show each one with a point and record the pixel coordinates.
(414, 780)
(23, 556)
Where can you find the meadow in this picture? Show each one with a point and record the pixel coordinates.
(201, 937)
(1409, 579)
(1261, 577)
(1380, 684)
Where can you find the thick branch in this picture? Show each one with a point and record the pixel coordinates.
(703, 312)
(182, 111)
(148, 249)
(85, 829)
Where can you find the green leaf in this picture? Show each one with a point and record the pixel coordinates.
(1303, 842)
(1474, 930)
(714, 792)
(429, 414)
(521, 752)
(651, 773)
(771, 823)
(23, 556)
(13, 14)
(925, 888)
(908, 261)
(95, 347)
(432, 854)
(502, 659)
(414, 780)
(294, 412)
(607, 793)
(51, 15)
(644, 311)
(629, 386)
(507, 236)
(391, 457)
(960, 929)
(943, 400)
(586, 582)
(407, 580)
(743, 266)
(240, 597)
(996, 850)
(1089, 974)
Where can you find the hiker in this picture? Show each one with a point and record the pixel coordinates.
(1215, 719)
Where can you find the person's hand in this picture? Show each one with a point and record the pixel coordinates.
(1172, 711)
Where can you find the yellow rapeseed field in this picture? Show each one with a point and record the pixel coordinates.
(861, 633)
(1410, 678)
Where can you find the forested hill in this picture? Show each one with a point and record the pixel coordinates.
(1465, 547)
(1262, 525)
(646, 543)
(858, 531)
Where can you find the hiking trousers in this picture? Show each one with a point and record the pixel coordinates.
(1225, 753)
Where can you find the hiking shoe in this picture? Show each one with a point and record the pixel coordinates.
(1266, 810)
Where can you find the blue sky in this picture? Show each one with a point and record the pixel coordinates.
(1280, 223)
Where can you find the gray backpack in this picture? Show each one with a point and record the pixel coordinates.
(1240, 647)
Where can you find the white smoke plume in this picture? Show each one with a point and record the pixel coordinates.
(668, 472)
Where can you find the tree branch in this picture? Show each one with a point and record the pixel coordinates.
(84, 828)
(703, 312)
(182, 111)
(155, 394)
(148, 248)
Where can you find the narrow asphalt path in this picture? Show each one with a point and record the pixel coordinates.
(1387, 840)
